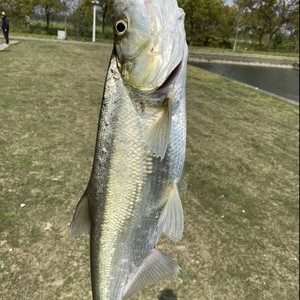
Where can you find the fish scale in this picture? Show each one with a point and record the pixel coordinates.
(127, 181)
(121, 189)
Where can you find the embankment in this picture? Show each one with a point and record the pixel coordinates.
(242, 59)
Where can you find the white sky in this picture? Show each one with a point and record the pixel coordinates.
(229, 2)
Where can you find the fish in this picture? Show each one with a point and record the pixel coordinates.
(132, 196)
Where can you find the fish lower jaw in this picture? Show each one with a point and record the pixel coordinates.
(146, 86)
(170, 79)
(159, 87)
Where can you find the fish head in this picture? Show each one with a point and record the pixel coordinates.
(149, 41)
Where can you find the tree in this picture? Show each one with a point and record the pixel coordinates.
(49, 7)
(82, 18)
(18, 10)
(105, 7)
(292, 29)
(268, 17)
(189, 7)
(208, 22)
(227, 24)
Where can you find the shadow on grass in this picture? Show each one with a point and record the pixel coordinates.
(167, 294)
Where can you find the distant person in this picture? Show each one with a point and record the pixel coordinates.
(5, 27)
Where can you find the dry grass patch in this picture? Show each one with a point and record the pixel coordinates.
(241, 206)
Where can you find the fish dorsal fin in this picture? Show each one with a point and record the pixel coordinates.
(171, 221)
(158, 135)
(81, 223)
(154, 268)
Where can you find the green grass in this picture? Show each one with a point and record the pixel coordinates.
(100, 38)
(37, 29)
(249, 52)
(241, 205)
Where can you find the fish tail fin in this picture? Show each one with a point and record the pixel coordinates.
(81, 223)
(155, 267)
(171, 221)
(158, 135)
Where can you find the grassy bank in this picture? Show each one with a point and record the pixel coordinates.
(241, 205)
(211, 54)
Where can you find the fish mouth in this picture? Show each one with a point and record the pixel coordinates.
(169, 80)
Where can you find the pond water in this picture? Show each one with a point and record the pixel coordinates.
(279, 81)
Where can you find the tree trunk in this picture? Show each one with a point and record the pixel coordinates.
(47, 21)
(191, 36)
(104, 18)
(47, 13)
(260, 38)
(270, 42)
(103, 25)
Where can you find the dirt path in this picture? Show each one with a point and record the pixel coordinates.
(4, 46)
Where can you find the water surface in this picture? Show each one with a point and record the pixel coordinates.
(279, 81)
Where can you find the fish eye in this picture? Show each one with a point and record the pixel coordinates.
(121, 27)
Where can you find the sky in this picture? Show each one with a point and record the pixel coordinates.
(230, 2)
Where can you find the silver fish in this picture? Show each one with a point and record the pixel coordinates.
(132, 195)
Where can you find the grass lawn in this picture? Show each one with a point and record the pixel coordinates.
(241, 205)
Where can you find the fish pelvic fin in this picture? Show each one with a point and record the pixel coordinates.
(158, 135)
(155, 267)
(171, 222)
(81, 223)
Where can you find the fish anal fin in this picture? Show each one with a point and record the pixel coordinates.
(158, 135)
(154, 268)
(81, 223)
(171, 222)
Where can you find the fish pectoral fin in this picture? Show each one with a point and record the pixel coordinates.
(171, 221)
(155, 267)
(158, 135)
(81, 223)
